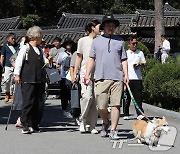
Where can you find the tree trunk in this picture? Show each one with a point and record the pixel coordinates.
(158, 22)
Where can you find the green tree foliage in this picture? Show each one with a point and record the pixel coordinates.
(50, 11)
(30, 20)
(10, 8)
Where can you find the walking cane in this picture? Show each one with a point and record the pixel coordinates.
(9, 116)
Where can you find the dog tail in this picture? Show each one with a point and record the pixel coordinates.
(137, 135)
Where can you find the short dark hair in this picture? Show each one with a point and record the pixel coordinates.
(57, 39)
(94, 23)
(10, 34)
(163, 36)
(132, 37)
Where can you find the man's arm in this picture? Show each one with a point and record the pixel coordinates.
(78, 61)
(3, 51)
(2, 60)
(90, 65)
(125, 70)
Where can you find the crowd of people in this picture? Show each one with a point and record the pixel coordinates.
(99, 63)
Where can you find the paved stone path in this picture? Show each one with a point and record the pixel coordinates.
(60, 136)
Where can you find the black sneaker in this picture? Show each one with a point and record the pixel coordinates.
(35, 130)
(26, 130)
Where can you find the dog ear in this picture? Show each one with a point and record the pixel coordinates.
(164, 117)
(154, 119)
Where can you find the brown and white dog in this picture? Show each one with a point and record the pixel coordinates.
(150, 131)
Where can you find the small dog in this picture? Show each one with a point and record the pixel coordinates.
(150, 131)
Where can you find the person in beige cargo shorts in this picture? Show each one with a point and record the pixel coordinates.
(110, 60)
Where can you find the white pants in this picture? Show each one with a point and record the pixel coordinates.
(8, 76)
(164, 57)
(89, 111)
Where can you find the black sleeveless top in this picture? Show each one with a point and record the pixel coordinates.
(32, 69)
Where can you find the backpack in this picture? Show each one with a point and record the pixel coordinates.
(14, 56)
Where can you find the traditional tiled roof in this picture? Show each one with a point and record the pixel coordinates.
(48, 34)
(72, 25)
(10, 23)
(69, 20)
(145, 18)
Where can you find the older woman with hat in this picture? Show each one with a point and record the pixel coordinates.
(110, 60)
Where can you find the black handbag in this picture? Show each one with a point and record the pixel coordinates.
(75, 100)
(53, 75)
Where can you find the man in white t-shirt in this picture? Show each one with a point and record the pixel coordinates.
(165, 48)
(135, 60)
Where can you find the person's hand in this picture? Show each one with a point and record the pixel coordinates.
(50, 58)
(126, 80)
(73, 79)
(140, 64)
(17, 79)
(160, 47)
(86, 80)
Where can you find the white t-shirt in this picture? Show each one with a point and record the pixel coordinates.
(134, 58)
(84, 47)
(166, 46)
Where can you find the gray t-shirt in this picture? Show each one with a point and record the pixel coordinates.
(108, 54)
(54, 52)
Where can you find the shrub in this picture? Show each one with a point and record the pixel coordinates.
(157, 76)
(178, 59)
(150, 63)
(171, 93)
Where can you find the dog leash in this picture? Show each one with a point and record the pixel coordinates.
(135, 103)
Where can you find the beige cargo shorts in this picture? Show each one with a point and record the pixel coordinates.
(108, 93)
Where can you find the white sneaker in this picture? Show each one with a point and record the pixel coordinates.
(94, 131)
(126, 117)
(18, 123)
(113, 135)
(82, 127)
(67, 114)
(109, 109)
(140, 117)
(77, 122)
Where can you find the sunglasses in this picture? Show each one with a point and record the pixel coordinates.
(134, 43)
